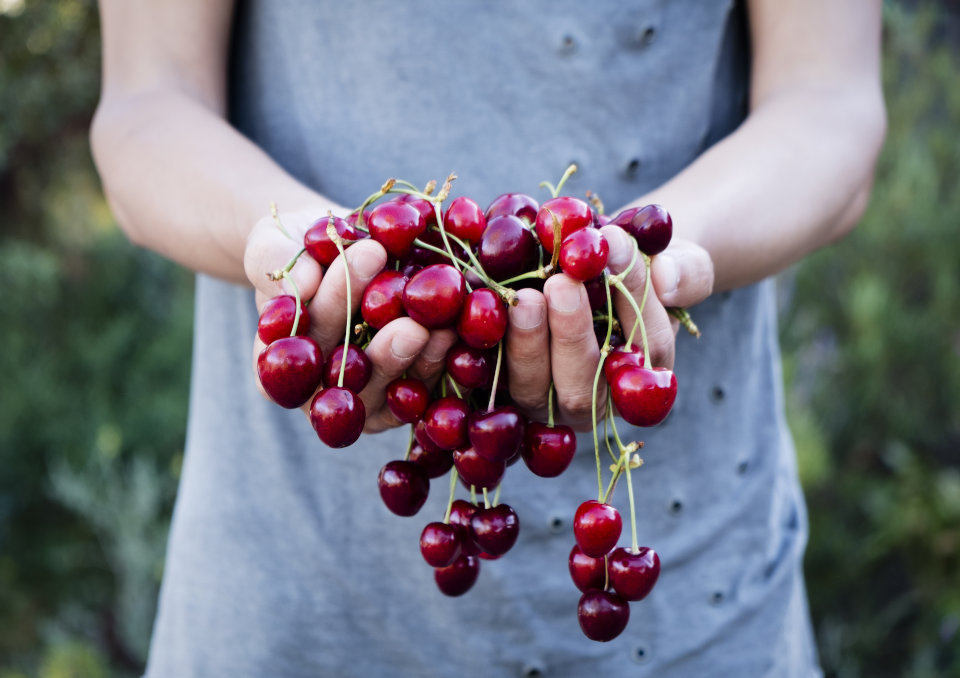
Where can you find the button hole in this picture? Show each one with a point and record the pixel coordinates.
(676, 506)
(743, 467)
(568, 43)
(716, 598)
(718, 393)
(649, 33)
(556, 523)
(640, 654)
(633, 166)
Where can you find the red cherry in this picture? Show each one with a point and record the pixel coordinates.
(597, 294)
(290, 370)
(572, 213)
(621, 356)
(476, 471)
(465, 219)
(407, 399)
(603, 616)
(424, 207)
(383, 298)
(586, 572)
(318, 243)
(395, 225)
(548, 451)
(507, 248)
(513, 204)
(495, 529)
(435, 462)
(440, 544)
(461, 515)
(404, 487)
(359, 368)
(497, 435)
(596, 528)
(651, 226)
(458, 578)
(337, 415)
(643, 396)
(583, 254)
(483, 320)
(634, 573)
(471, 367)
(445, 422)
(434, 296)
(276, 319)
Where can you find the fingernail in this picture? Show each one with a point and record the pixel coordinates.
(565, 297)
(405, 347)
(666, 274)
(363, 263)
(526, 316)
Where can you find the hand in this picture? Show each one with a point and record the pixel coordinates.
(402, 345)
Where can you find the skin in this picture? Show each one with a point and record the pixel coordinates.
(794, 177)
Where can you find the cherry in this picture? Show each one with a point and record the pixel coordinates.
(435, 462)
(603, 616)
(507, 248)
(621, 356)
(470, 367)
(548, 451)
(290, 370)
(497, 435)
(426, 257)
(383, 298)
(597, 294)
(483, 320)
(461, 515)
(337, 415)
(513, 204)
(477, 471)
(596, 528)
(572, 213)
(357, 374)
(583, 254)
(424, 207)
(465, 219)
(407, 399)
(643, 396)
(440, 544)
(434, 296)
(395, 225)
(276, 319)
(651, 226)
(318, 243)
(633, 573)
(445, 422)
(403, 487)
(586, 572)
(459, 577)
(495, 529)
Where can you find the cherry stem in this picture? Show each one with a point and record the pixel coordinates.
(639, 321)
(555, 190)
(453, 383)
(453, 489)
(372, 198)
(486, 499)
(278, 274)
(557, 231)
(606, 435)
(276, 219)
(633, 510)
(296, 296)
(496, 377)
(473, 495)
(406, 456)
(613, 481)
(683, 316)
(338, 241)
(446, 242)
(550, 404)
(593, 416)
(606, 572)
(496, 495)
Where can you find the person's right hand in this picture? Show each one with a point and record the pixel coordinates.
(402, 345)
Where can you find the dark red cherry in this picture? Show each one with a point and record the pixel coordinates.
(357, 374)
(440, 544)
(434, 296)
(498, 434)
(383, 298)
(548, 451)
(461, 515)
(424, 207)
(477, 471)
(404, 487)
(471, 367)
(483, 319)
(407, 399)
(583, 254)
(633, 573)
(643, 396)
(572, 213)
(515, 205)
(507, 248)
(603, 616)
(596, 527)
(276, 318)
(458, 578)
(651, 226)
(465, 219)
(435, 462)
(621, 356)
(495, 529)
(290, 370)
(426, 257)
(445, 422)
(318, 243)
(337, 415)
(354, 217)
(586, 572)
(395, 225)
(597, 293)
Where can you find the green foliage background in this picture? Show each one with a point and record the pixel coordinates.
(96, 351)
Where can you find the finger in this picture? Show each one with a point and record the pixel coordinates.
(392, 351)
(269, 250)
(682, 274)
(656, 320)
(429, 365)
(328, 308)
(574, 353)
(528, 352)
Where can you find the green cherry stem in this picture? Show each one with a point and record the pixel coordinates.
(406, 456)
(496, 377)
(276, 218)
(486, 499)
(453, 489)
(683, 316)
(593, 414)
(496, 495)
(633, 510)
(550, 421)
(338, 241)
(296, 296)
(639, 321)
(453, 384)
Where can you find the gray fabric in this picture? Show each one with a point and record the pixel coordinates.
(282, 560)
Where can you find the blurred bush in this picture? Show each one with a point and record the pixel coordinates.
(96, 361)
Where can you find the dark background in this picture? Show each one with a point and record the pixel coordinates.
(95, 359)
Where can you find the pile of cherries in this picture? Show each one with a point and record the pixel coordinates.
(459, 268)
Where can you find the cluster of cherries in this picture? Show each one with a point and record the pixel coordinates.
(459, 268)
